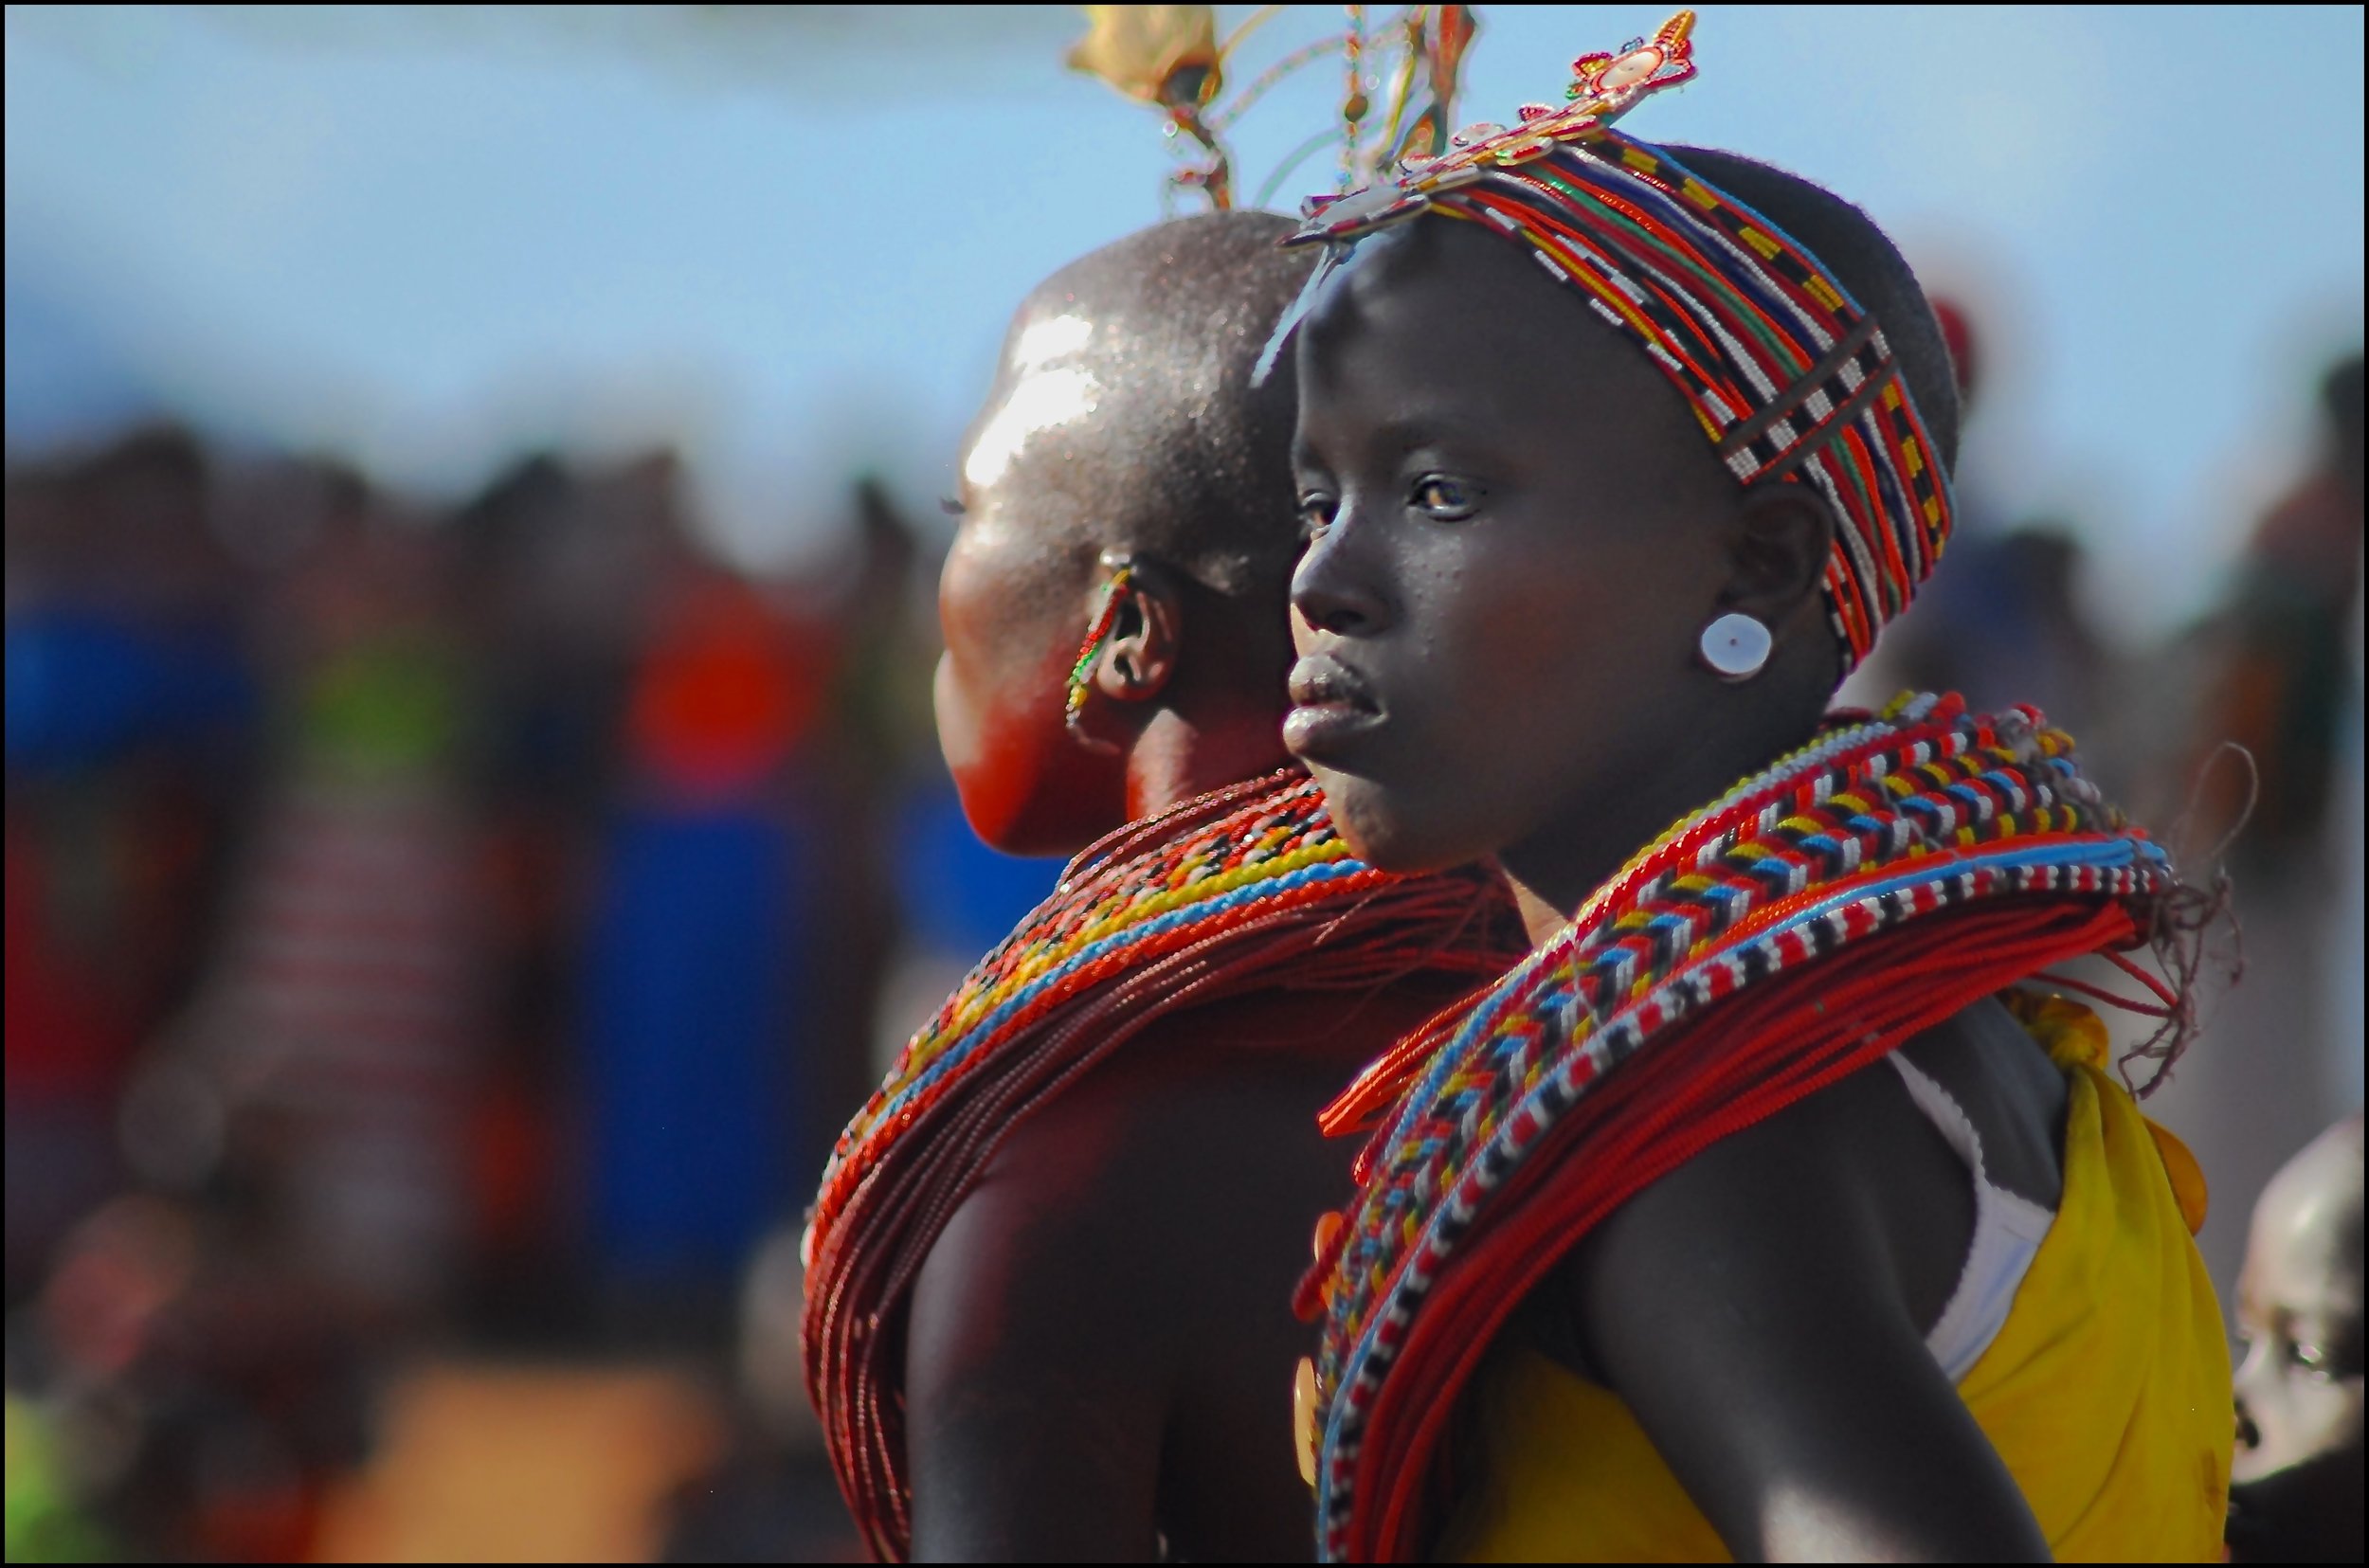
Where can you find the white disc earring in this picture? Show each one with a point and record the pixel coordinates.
(1736, 646)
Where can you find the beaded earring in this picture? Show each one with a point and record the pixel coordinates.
(1736, 646)
(1097, 633)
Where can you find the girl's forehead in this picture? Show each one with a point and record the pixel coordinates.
(1436, 331)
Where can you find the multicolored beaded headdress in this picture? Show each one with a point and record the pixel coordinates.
(1791, 379)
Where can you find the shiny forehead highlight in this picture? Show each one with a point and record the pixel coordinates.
(1140, 356)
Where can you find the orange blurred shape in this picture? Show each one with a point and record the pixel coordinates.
(506, 1464)
(725, 693)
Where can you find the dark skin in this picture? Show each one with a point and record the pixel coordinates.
(1518, 534)
(1101, 1342)
(1046, 508)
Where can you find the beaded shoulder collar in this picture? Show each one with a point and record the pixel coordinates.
(1245, 889)
(1879, 823)
(1152, 889)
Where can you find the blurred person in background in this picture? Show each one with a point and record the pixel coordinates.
(883, 882)
(131, 714)
(2283, 681)
(2297, 1482)
(552, 582)
(205, 1389)
(2007, 617)
(2274, 671)
(343, 998)
(2005, 623)
(1048, 1304)
(197, 1372)
(696, 967)
(872, 755)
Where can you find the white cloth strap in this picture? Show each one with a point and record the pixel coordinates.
(2008, 1231)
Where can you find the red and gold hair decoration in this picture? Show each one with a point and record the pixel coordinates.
(1171, 58)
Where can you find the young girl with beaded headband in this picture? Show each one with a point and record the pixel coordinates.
(1608, 481)
(1052, 1260)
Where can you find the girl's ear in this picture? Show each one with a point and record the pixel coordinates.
(1777, 557)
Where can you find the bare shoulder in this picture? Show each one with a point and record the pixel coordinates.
(1797, 1192)
(1860, 1165)
(1108, 1311)
(1762, 1310)
(1042, 1345)
(2009, 1091)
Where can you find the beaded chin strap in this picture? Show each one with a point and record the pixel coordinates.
(1791, 380)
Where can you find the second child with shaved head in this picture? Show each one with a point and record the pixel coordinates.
(2297, 1492)
(1052, 1260)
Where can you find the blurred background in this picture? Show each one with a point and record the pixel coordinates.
(474, 831)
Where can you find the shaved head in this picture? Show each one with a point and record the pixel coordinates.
(1125, 390)
(2297, 1492)
(1123, 428)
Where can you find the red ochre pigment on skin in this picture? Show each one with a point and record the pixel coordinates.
(1026, 786)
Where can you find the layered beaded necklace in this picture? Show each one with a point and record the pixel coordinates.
(1845, 849)
(1245, 888)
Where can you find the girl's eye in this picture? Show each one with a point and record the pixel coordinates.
(1446, 499)
(1316, 514)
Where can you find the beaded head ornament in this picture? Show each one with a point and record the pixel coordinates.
(1171, 58)
(1790, 379)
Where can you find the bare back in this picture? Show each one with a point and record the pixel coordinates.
(1101, 1344)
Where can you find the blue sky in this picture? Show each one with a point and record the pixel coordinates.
(789, 240)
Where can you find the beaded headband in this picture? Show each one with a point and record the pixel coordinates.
(1791, 380)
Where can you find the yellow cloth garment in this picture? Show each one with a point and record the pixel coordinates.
(2106, 1391)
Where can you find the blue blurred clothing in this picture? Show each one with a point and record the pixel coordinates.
(694, 984)
(83, 687)
(959, 896)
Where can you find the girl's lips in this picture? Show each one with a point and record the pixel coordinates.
(1321, 680)
(1320, 731)
(1330, 706)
